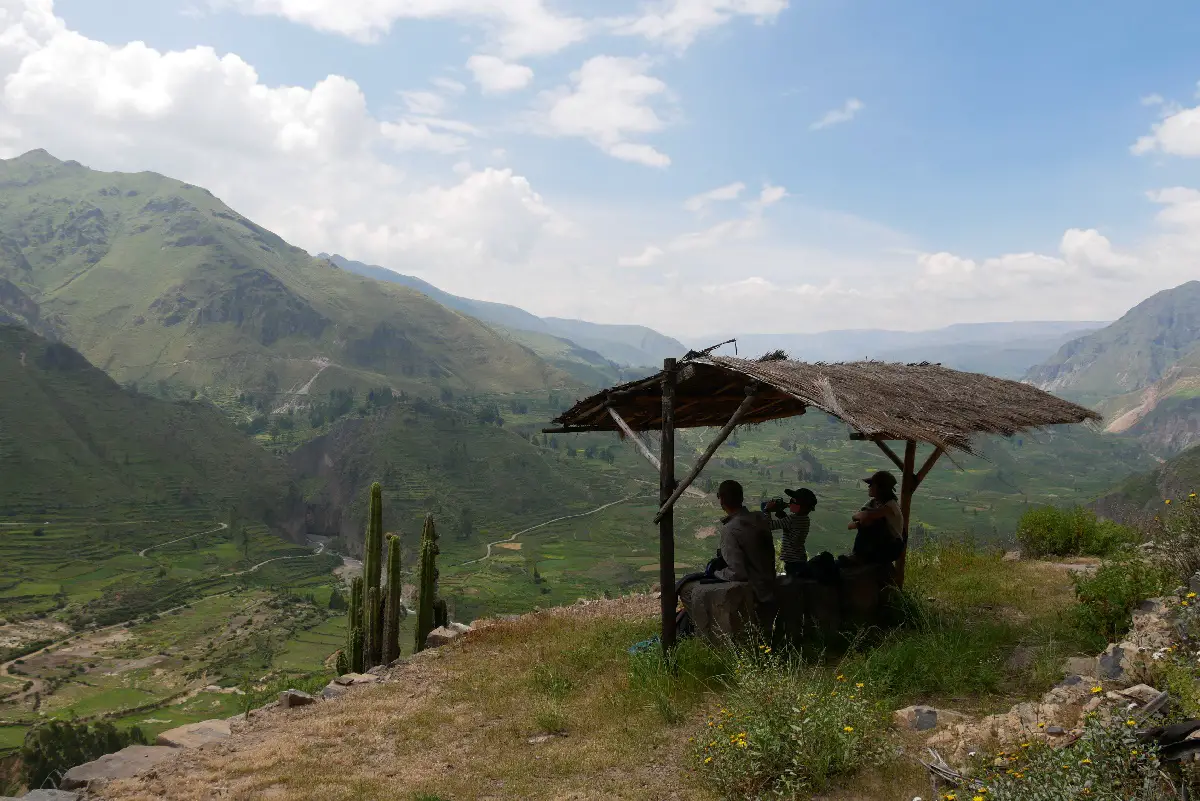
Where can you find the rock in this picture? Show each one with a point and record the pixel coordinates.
(1082, 666)
(1118, 661)
(124, 764)
(1020, 660)
(924, 718)
(194, 735)
(350, 679)
(1055, 731)
(334, 690)
(46, 795)
(442, 635)
(1012, 556)
(293, 698)
(1093, 705)
(375, 671)
(1142, 693)
(1194, 583)
(543, 738)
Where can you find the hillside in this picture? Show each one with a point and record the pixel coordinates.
(154, 279)
(624, 345)
(1142, 495)
(72, 439)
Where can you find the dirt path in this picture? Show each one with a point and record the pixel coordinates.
(320, 550)
(540, 525)
(220, 527)
(292, 394)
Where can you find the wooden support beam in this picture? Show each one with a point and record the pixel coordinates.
(891, 454)
(641, 446)
(666, 522)
(929, 463)
(908, 486)
(722, 435)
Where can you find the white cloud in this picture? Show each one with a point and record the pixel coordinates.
(1153, 100)
(610, 100)
(728, 192)
(407, 135)
(678, 23)
(518, 28)
(425, 103)
(496, 76)
(839, 115)
(449, 85)
(646, 258)
(1177, 134)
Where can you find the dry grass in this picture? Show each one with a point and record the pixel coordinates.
(457, 723)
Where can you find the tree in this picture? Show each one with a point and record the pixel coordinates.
(337, 601)
(51, 749)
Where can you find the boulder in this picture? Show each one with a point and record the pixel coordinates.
(924, 718)
(1082, 666)
(442, 635)
(1194, 583)
(195, 735)
(293, 698)
(46, 795)
(334, 690)
(720, 612)
(1120, 662)
(1141, 693)
(124, 764)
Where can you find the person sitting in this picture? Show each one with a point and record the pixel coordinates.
(794, 528)
(880, 524)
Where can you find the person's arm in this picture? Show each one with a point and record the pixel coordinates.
(870, 515)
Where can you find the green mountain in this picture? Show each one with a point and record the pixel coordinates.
(155, 279)
(1142, 372)
(1143, 494)
(590, 344)
(17, 308)
(72, 440)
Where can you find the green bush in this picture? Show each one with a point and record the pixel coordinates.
(1108, 597)
(788, 729)
(1106, 764)
(1050, 531)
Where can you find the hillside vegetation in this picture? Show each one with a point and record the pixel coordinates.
(155, 279)
(72, 440)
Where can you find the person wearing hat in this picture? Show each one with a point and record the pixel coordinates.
(794, 530)
(880, 524)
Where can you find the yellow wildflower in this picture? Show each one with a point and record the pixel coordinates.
(707, 760)
(1131, 722)
(847, 729)
(860, 685)
(1085, 761)
(1097, 690)
(1167, 501)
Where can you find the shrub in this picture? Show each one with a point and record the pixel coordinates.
(1107, 763)
(1176, 535)
(787, 729)
(57, 746)
(1108, 597)
(1050, 531)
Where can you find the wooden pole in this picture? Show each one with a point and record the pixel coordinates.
(641, 446)
(666, 522)
(908, 486)
(722, 435)
(929, 463)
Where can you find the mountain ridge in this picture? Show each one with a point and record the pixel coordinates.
(153, 278)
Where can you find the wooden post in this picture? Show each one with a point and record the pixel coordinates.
(642, 449)
(666, 522)
(722, 435)
(908, 485)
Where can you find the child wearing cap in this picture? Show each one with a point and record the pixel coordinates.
(794, 530)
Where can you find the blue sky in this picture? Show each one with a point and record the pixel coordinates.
(986, 130)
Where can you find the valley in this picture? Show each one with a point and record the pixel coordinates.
(192, 412)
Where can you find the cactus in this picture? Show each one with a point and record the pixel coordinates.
(371, 643)
(427, 585)
(372, 568)
(354, 636)
(394, 607)
(342, 661)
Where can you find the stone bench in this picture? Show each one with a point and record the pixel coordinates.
(723, 611)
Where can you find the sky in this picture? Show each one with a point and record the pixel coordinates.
(696, 166)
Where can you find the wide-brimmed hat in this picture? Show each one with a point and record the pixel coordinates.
(802, 495)
(882, 478)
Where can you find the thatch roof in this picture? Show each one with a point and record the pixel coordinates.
(879, 400)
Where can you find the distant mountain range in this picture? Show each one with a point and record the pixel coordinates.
(1143, 371)
(603, 348)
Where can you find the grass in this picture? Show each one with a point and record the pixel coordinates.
(622, 722)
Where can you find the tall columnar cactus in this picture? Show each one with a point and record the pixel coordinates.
(427, 586)
(354, 637)
(371, 643)
(394, 608)
(372, 570)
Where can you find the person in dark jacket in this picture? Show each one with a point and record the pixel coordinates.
(880, 524)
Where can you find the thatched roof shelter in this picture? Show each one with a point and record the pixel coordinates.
(880, 401)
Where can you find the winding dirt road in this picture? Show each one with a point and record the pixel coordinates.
(220, 527)
(540, 525)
